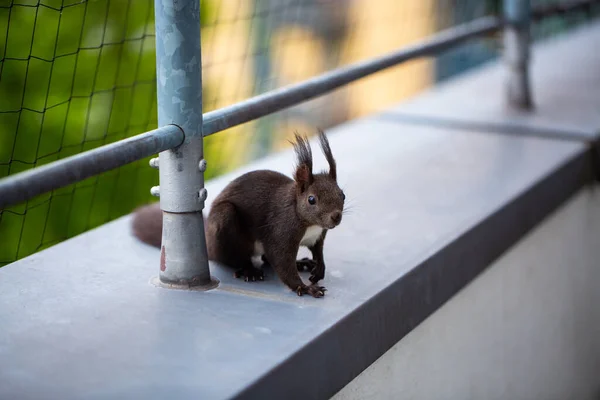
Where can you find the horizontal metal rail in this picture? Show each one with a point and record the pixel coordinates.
(287, 96)
(23, 186)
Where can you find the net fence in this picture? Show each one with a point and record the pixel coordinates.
(75, 75)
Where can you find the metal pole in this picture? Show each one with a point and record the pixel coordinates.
(183, 258)
(517, 14)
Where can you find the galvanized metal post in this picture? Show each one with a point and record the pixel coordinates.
(183, 260)
(517, 14)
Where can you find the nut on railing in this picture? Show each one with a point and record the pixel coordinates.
(202, 165)
(202, 194)
(155, 191)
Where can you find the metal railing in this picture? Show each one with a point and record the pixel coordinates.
(182, 126)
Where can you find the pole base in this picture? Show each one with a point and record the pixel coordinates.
(194, 286)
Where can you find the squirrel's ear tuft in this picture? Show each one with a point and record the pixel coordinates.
(304, 175)
(328, 154)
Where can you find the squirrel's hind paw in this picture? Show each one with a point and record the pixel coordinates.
(250, 274)
(306, 264)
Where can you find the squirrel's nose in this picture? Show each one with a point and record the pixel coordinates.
(336, 217)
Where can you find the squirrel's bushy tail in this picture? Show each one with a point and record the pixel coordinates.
(146, 224)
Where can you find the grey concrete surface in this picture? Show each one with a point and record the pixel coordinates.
(565, 79)
(81, 320)
(526, 328)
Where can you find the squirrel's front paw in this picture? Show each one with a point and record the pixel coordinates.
(313, 290)
(316, 274)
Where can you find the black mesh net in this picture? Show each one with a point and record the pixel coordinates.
(73, 76)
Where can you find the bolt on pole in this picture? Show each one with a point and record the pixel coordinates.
(517, 36)
(183, 257)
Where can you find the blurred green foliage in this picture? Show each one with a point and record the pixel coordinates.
(74, 75)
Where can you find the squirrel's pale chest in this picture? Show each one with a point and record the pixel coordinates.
(312, 234)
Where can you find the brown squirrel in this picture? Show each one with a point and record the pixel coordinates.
(265, 213)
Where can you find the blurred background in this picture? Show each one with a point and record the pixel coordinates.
(75, 75)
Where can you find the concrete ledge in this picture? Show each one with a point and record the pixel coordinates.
(432, 208)
(565, 81)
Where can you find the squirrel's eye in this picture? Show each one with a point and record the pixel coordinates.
(343, 196)
(312, 200)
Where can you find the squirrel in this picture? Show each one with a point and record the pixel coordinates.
(266, 214)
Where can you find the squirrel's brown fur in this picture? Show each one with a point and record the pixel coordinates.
(267, 212)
